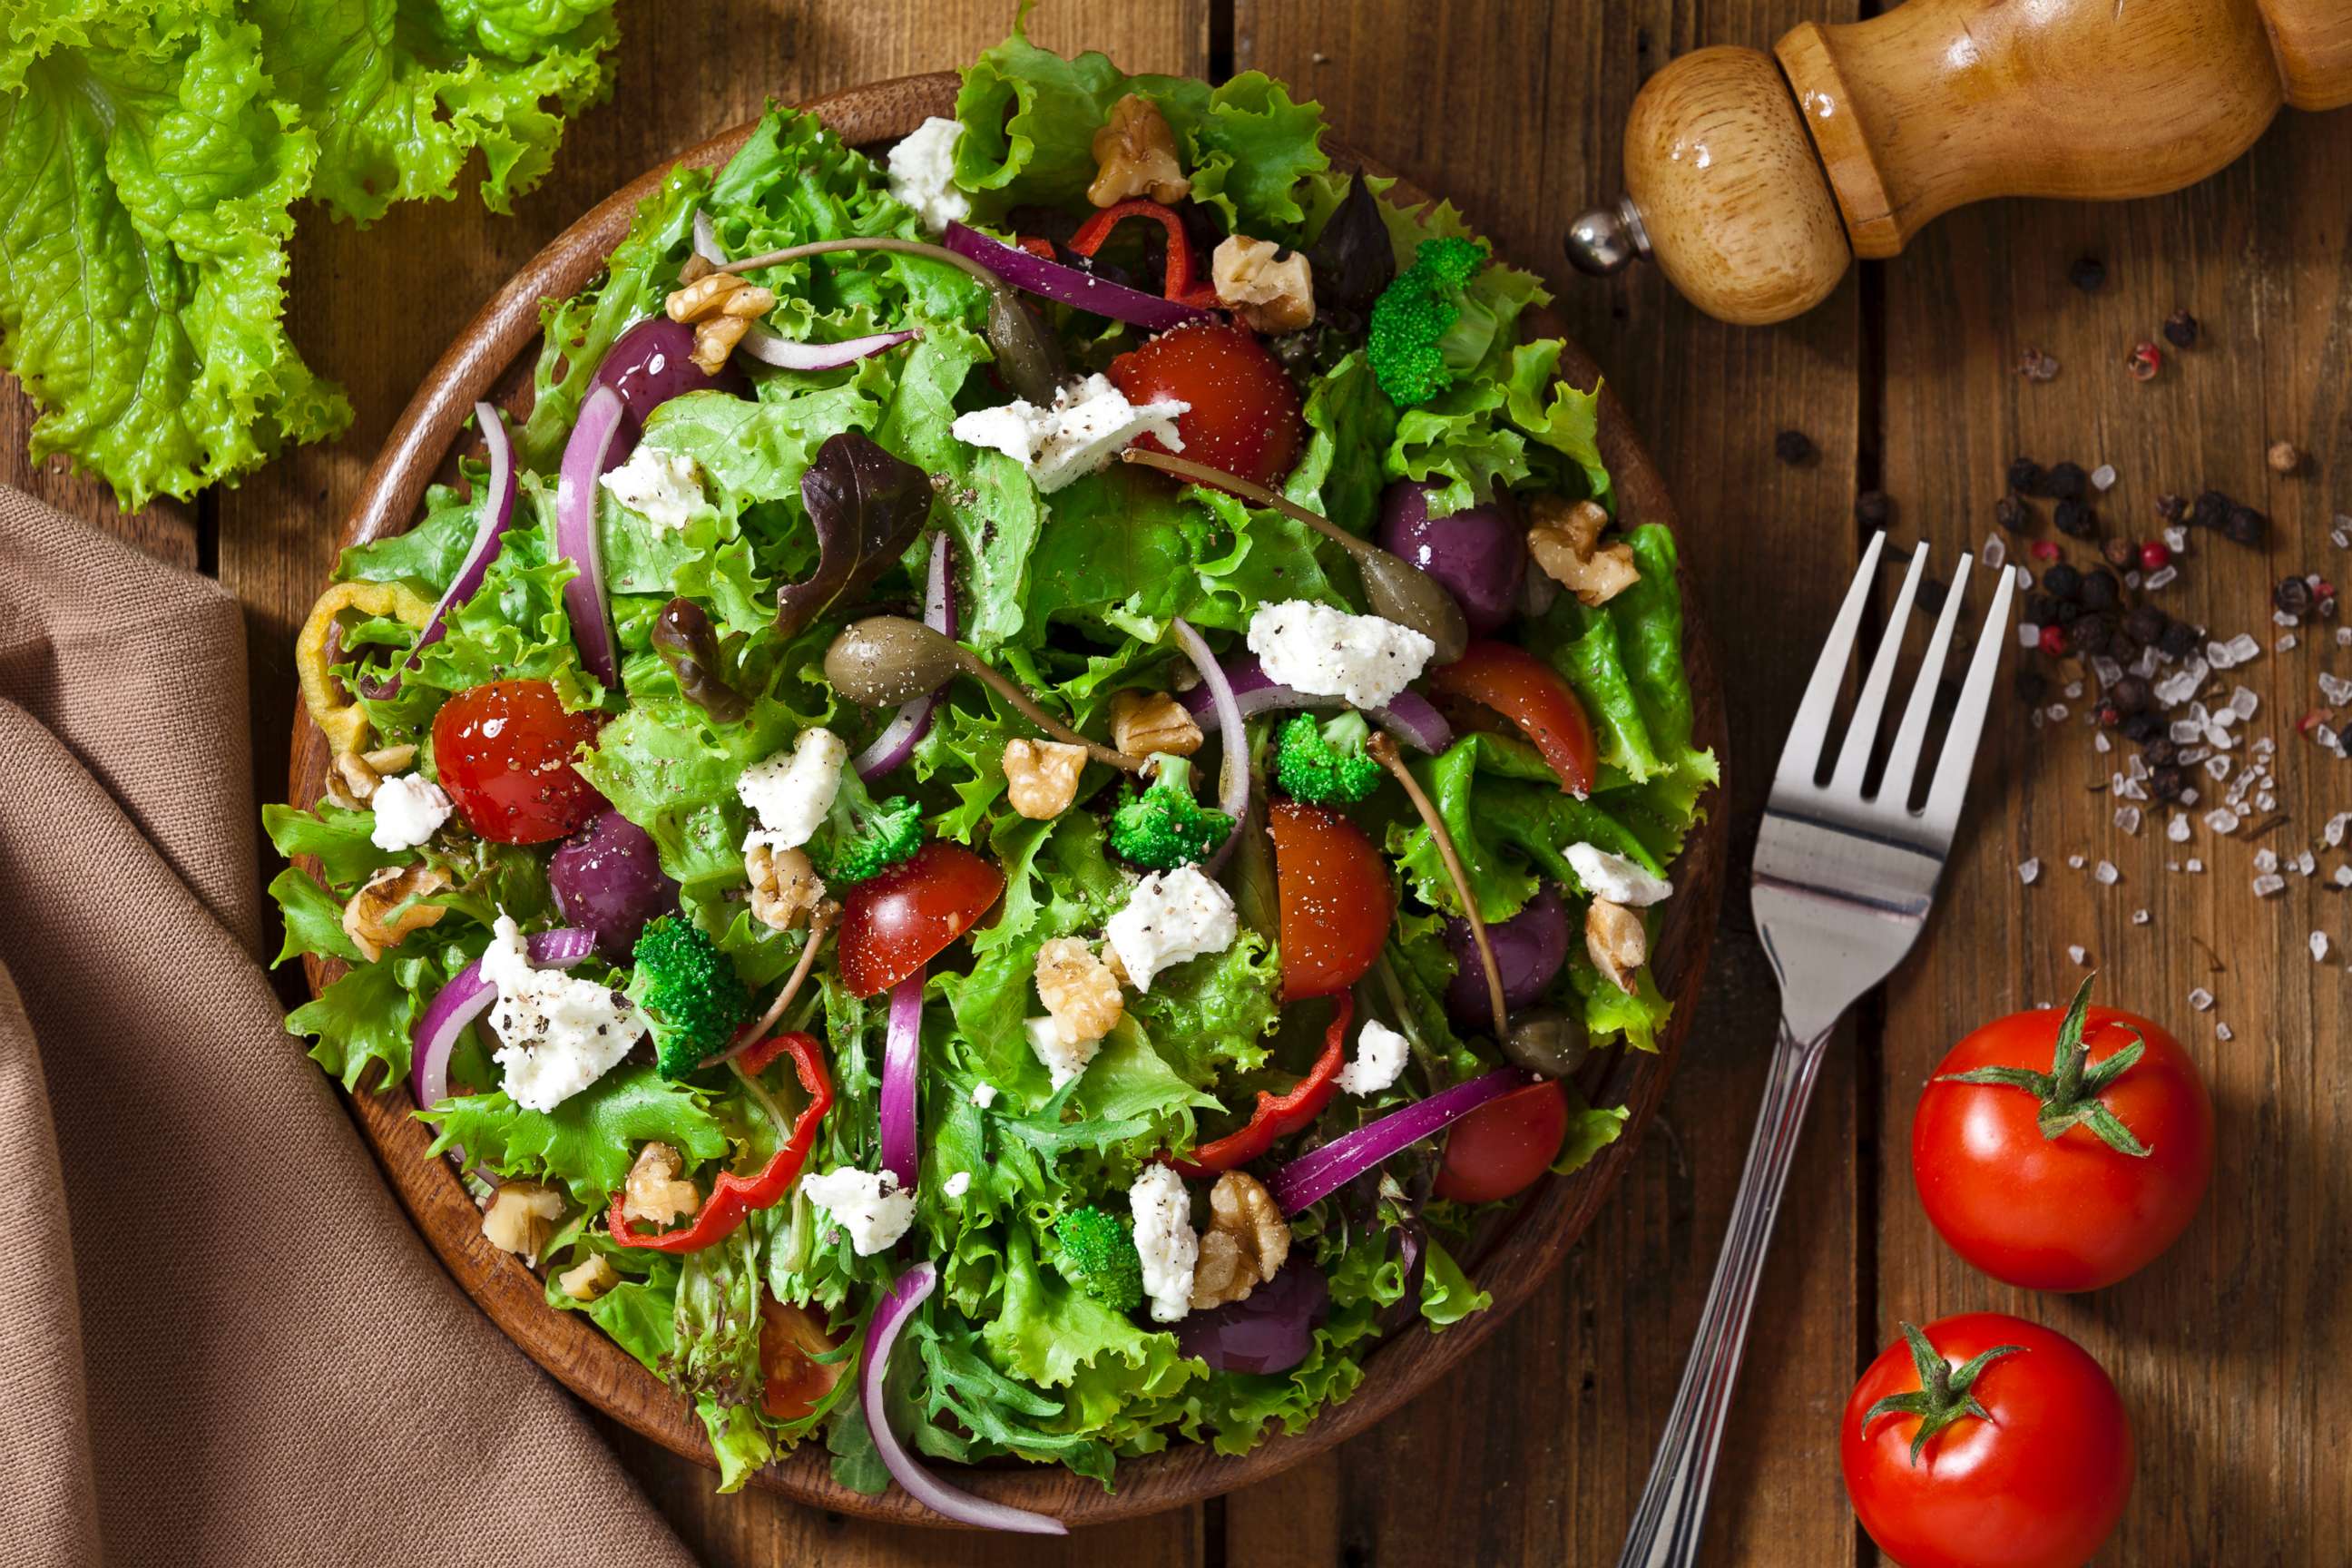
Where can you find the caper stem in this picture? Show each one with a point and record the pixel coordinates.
(973, 665)
(1249, 490)
(821, 921)
(878, 242)
(1384, 751)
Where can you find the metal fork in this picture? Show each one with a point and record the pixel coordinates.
(1843, 885)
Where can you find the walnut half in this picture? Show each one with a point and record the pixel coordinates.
(720, 307)
(785, 888)
(1142, 723)
(1272, 293)
(1041, 777)
(1078, 989)
(1617, 941)
(1565, 542)
(521, 1218)
(1135, 155)
(374, 921)
(1246, 1243)
(655, 1191)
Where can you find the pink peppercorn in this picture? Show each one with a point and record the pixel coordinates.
(2154, 556)
(2054, 640)
(2045, 550)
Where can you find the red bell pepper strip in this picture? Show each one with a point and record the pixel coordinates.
(1181, 283)
(735, 1196)
(1037, 244)
(1280, 1115)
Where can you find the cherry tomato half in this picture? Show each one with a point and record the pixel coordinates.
(2039, 1482)
(793, 1383)
(893, 924)
(2069, 1213)
(1245, 413)
(1531, 695)
(1503, 1146)
(1336, 903)
(505, 751)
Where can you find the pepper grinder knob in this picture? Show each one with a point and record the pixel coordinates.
(1606, 240)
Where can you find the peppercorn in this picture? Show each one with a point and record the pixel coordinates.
(2066, 481)
(2143, 729)
(2010, 513)
(2167, 783)
(2031, 685)
(2172, 506)
(2180, 328)
(2053, 641)
(2246, 526)
(2025, 475)
(2121, 554)
(2100, 589)
(2293, 596)
(2144, 362)
(1932, 592)
(2284, 457)
(2042, 609)
(2160, 752)
(1874, 509)
(2075, 520)
(2062, 581)
(2147, 624)
(2087, 273)
(2155, 555)
(2121, 648)
(2131, 694)
(2091, 634)
(1793, 447)
(2179, 641)
(2069, 611)
(2211, 510)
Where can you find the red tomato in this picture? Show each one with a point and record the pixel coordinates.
(1503, 1146)
(1531, 695)
(1336, 903)
(2039, 1482)
(2069, 1213)
(505, 753)
(1245, 415)
(893, 924)
(791, 1382)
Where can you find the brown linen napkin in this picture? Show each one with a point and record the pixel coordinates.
(225, 1343)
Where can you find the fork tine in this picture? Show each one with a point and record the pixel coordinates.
(1943, 814)
(1911, 737)
(1811, 732)
(1862, 734)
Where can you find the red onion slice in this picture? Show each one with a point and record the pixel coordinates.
(1233, 771)
(467, 997)
(601, 418)
(902, 1053)
(783, 353)
(1318, 1174)
(1410, 718)
(906, 1293)
(1069, 285)
(489, 533)
(898, 739)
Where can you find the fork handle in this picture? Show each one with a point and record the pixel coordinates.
(1665, 1529)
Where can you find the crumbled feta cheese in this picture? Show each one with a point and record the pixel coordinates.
(559, 1033)
(1172, 916)
(1380, 1054)
(1164, 1239)
(1325, 652)
(983, 1095)
(792, 793)
(869, 1205)
(1614, 878)
(408, 810)
(955, 1186)
(922, 173)
(1089, 422)
(1064, 1057)
(663, 487)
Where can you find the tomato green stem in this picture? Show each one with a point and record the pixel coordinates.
(2070, 1090)
(1943, 1396)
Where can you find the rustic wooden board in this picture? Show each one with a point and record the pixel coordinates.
(2224, 1346)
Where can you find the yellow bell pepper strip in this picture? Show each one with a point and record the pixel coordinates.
(338, 717)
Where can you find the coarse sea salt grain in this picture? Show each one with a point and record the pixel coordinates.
(2028, 634)
(2219, 766)
(2243, 646)
(2333, 834)
(2223, 1033)
(2101, 744)
(2103, 478)
(2307, 864)
(2266, 801)
(2105, 875)
(2285, 642)
(2162, 577)
(2107, 670)
(2074, 691)
(2343, 876)
(2076, 861)
(2195, 866)
(2056, 712)
(2222, 819)
(2139, 917)
(2074, 951)
(2131, 580)
(2265, 886)
(2217, 656)
(2336, 689)
(2319, 947)
(2176, 539)
(2201, 999)
(2178, 829)
(2244, 700)
(2344, 637)
(1995, 554)
(2028, 870)
(2265, 861)
(2127, 818)
(2341, 534)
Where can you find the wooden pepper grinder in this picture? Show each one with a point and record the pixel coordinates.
(1752, 184)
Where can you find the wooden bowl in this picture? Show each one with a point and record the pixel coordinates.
(1510, 1258)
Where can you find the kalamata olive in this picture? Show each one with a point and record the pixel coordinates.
(650, 363)
(608, 878)
(689, 644)
(1480, 554)
(1547, 1041)
(1530, 948)
(885, 661)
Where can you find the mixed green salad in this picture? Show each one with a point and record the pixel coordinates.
(1020, 793)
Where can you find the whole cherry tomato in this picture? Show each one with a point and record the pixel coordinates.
(793, 1383)
(1336, 903)
(1245, 413)
(505, 751)
(1503, 1146)
(2063, 1156)
(894, 923)
(1986, 1441)
(1530, 694)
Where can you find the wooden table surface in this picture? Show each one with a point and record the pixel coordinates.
(1905, 380)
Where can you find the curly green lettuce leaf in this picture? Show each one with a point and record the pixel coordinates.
(368, 1015)
(589, 1141)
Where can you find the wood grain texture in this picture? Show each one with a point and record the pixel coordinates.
(2223, 1347)
(1535, 1452)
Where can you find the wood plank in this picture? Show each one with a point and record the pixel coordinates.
(1539, 1450)
(2221, 1347)
(166, 528)
(375, 309)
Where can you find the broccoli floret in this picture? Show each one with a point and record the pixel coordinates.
(688, 989)
(1426, 327)
(1326, 763)
(862, 837)
(1165, 827)
(1096, 1253)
